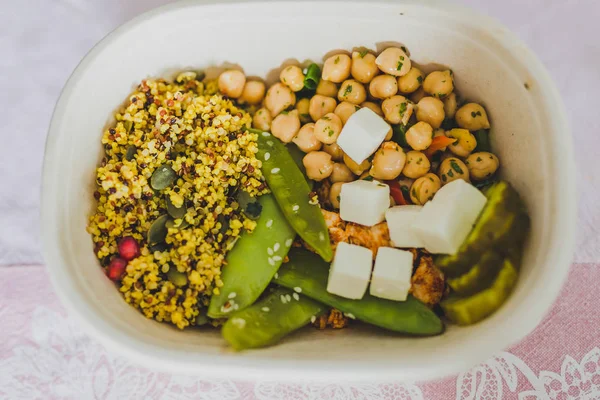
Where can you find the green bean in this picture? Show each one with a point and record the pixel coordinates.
(266, 322)
(313, 76)
(482, 136)
(308, 273)
(253, 261)
(292, 192)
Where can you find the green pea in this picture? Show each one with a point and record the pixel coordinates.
(292, 192)
(266, 322)
(309, 273)
(253, 261)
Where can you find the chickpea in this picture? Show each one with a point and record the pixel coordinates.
(334, 194)
(417, 165)
(389, 135)
(482, 165)
(450, 105)
(279, 97)
(419, 136)
(341, 173)
(336, 152)
(373, 107)
(262, 120)
(337, 68)
(363, 66)
(431, 110)
(423, 189)
(318, 165)
(472, 116)
(302, 106)
(388, 161)
(231, 83)
(383, 86)
(357, 169)
(411, 81)
(393, 61)
(320, 105)
(417, 95)
(293, 77)
(286, 125)
(352, 91)
(254, 92)
(452, 169)
(306, 139)
(344, 110)
(439, 83)
(326, 88)
(328, 128)
(464, 144)
(397, 109)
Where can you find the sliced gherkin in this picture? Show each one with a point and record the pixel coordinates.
(501, 224)
(474, 308)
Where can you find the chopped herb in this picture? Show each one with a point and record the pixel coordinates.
(402, 58)
(285, 112)
(363, 53)
(474, 114)
(419, 161)
(356, 108)
(330, 132)
(444, 179)
(491, 157)
(444, 81)
(414, 192)
(348, 90)
(284, 80)
(478, 159)
(323, 104)
(420, 79)
(337, 60)
(399, 67)
(338, 198)
(313, 76)
(326, 118)
(455, 167)
(431, 179)
(451, 174)
(402, 109)
(526, 85)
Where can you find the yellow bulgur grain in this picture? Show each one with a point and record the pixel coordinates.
(201, 136)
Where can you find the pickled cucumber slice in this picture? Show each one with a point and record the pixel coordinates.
(501, 223)
(472, 309)
(481, 276)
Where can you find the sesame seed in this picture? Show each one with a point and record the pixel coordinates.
(232, 295)
(321, 236)
(283, 299)
(269, 223)
(288, 242)
(296, 296)
(266, 134)
(298, 289)
(266, 309)
(277, 258)
(270, 143)
(270, 251)
(288, 297)
(236, 306)
(313, 319)
(267, 155)
(276, 276)
(275, 170)
(238, 322)
(271, 261)
(295, 207)
(276, 247)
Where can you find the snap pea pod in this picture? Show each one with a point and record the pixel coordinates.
(309, 273)
(292, 192)
(253, 261)
(266, 322)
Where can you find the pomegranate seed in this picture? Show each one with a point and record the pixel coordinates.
(116, 268)
(129, 248)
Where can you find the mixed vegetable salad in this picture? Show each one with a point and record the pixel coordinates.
(360, 189)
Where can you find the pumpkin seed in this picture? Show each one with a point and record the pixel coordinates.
(201, 319)
(160, 247)
(163, 177)
(158, 230)
(131, 150)
(175, 212)
(127, 125)
(171, 224)
(178, 279)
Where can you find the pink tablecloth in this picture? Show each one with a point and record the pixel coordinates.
(44, 355)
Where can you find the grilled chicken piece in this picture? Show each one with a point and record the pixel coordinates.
(322, 191)
(334, 319)
(336, 227)
(427, 282)
(372, 237)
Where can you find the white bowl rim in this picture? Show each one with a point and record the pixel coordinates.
(210, 366)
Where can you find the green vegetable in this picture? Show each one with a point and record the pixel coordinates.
(482, 136)
(163, 177)
(479, 277)
(399, 134)
(472, 309)
(127, 125)
(292, 192)
(178, 279)
(253, 261)
(158, 230)
(266, 322)
(502, 224)
(313, 76)
(309, 273)
(131, 150)
(175, 212)
(298, 156)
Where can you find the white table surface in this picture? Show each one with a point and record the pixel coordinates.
(41, 42)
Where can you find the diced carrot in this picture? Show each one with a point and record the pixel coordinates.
(438, 143)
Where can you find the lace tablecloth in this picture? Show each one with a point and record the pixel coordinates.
(43, 353)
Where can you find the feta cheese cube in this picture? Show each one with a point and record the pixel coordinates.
(399, 220)
(350, 271)
(362, 134)
(392, 273)
(364, 202)
(444, 223)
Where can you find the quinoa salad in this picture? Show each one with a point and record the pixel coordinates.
(362, 189)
